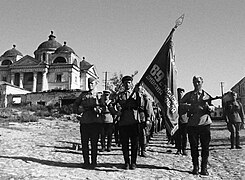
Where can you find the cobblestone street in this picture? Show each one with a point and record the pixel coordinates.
(44, 151)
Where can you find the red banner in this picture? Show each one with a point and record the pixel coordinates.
(160, 81)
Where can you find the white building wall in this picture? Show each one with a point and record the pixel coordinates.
(15, 90)
(75, 78)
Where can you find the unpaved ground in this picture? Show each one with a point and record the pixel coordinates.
(43, 151)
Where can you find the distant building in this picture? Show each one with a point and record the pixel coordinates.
(53, 67)
(239, 88)
(217, 114)
(9, 89)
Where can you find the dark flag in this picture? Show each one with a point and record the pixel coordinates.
(160, 81)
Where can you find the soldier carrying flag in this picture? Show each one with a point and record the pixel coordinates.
(160, 81)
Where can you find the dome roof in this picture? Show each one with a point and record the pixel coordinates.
(64, 49)
(12, 52)
(51, 43)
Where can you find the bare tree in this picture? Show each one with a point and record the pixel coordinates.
(115, 82)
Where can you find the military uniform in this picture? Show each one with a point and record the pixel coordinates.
(234, 114)
(128, 125)
(127, 106)
(181, 133)
(90, 124)
(198, 127)
(145, 111)
(107, 120)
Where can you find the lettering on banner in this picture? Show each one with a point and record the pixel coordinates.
(154, 84)
(171, 101)
(155, 79)
(157, 73)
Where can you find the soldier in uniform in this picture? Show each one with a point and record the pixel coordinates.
(199, 106)
(181, 134)
(234, 116)
(107, 118)
(87, 105)
(126, 104)
(146, 112)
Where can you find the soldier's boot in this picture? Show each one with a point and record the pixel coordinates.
(93, 159)
(126, 159)
(139, 149)
(86, 159)
(195, 170)
(133, 160)
(238, 142)
(204, 170)
(184, 152)
(143, 151)
(102, 145)
(108, 146)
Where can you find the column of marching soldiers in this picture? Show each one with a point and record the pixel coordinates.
(131, 117)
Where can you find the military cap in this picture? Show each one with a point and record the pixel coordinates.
(180, 90)
(106, 92)
(197, 77)
(91, 79)
(233, 93)
(127, 78)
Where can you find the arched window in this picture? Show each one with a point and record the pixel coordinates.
(60, 60)
(6, 62)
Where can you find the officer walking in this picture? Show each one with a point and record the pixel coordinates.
(126, 104)
(199, 106)
(87, 104)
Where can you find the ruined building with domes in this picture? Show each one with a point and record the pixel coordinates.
(53, 67)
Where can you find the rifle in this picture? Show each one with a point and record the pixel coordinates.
(212, 98)
(194, 108)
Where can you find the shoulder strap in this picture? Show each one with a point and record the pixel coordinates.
(207, 93)
(108, 102)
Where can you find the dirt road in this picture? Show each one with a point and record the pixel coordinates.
(44, 151)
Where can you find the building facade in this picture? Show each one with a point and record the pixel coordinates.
(239, 88)
(54, 66)
(7, 89)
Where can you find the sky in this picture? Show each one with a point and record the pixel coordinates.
(123, 36)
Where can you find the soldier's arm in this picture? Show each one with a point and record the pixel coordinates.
(184, 103)
(209, 105)
(115, 106)
(242, 113)
(112, 108)
(226, 113)
(148, 109)
(77, 103)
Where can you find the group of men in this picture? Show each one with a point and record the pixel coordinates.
(130, 111)
(134, 113)
(194, 120)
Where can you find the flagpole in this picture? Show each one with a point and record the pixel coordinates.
(160, 80)
(178, 22)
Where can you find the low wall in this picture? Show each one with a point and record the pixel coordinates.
(44, 98)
